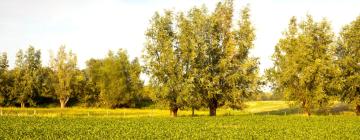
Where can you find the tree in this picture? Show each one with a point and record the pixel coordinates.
(348, 57)
(113, 80)
(162, 60)
(218, 51)
(201, 60)
(244, 81)
(117, 80)
(32, 73)
(47, 88)
(186, 49)
(135, 84)
(90, 92)
(92, 75)
(232, 74)
(26, 76)
(64, 67)
(303, 66)
(4, 80)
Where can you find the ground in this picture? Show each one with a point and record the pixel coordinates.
(261, 120)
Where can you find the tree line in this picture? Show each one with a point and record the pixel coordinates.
(110, 82)
(197, 59)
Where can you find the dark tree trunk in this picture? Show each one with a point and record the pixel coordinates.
(212, 111)
(193, 111)
(357, 110)
(174, 111)
(307, 112)
(212, 107)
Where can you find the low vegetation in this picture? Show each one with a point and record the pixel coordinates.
(230, 127)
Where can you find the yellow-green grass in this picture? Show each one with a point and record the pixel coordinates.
(204, 127)
(253, 107)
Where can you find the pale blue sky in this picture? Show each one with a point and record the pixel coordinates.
(92, 27)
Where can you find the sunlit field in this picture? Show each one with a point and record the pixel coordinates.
(261, 119)
(253, 108)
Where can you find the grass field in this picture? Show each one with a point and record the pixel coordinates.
(261, 120)
(253, 108)
(222, 127)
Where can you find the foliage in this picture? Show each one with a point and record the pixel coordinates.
(348, 56)
(5, 85)
(197, 59)
(117, 79)
(64, 67)
(303, 66)
(27, 80)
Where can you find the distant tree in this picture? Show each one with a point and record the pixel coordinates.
(64, 67)
(135, 84)
(113, 81)
(303, 66)
(32, 74)
(348, 56)
(47, 86)
(4, 80)
(90, 92)
(92, 76)
(19, 82)
(117, 80)
(26, 76)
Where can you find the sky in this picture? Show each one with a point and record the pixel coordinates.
(90, 28)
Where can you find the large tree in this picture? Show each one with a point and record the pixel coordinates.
(303, 66)
(197, 58)
(348, 55)
(162, 60)
(219, 48)
(64, 67)
(186, 53)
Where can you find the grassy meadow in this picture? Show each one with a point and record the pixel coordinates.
(260, 120)
(222, 127)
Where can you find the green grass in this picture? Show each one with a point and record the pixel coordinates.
(260, 120)
(221, 127)
(254, 107)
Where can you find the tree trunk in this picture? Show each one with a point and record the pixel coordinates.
(62, 103)
(174, 111)
(193, 111)
(22, 104)
(212, 111)
(357, 110)
(212, 107)
(307, 112)
(306, 108)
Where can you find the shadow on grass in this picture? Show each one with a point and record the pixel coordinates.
(285, 111)
(337, 109)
